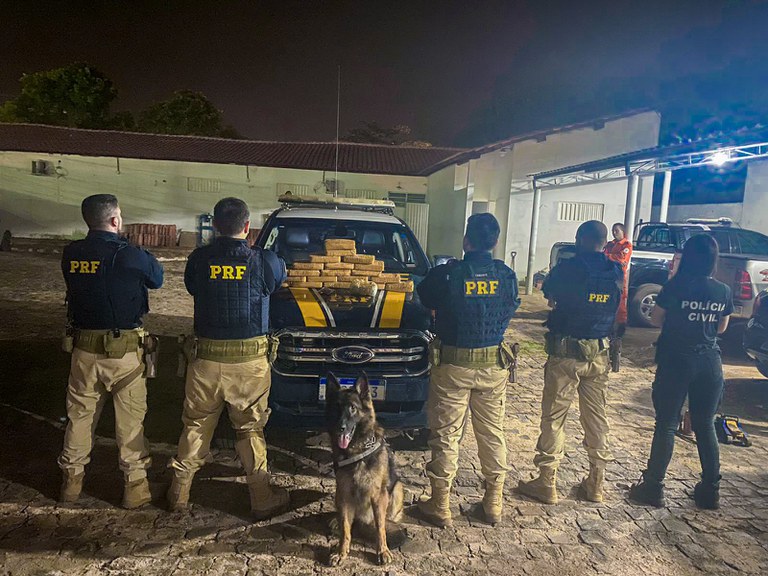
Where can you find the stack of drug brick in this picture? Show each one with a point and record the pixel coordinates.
(341, 267)
(151, 235)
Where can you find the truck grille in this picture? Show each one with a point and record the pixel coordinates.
(309, 353)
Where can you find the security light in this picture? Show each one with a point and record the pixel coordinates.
(719, 158)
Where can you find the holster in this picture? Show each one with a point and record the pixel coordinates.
(187, 353)
(151, 345)
(434, 352)
(274, 342)
(508, 359)
(68, 343)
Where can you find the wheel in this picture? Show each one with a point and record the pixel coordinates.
(643, 303)
(763, 368)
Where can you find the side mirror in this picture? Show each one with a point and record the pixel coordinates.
(437, 260)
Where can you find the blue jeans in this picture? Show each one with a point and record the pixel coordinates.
(700, 377)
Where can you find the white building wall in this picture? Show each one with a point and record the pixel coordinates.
(560, 150)
(573, 147)
(611, 195)
(153, 191)
(447, 213)
(681, 212)
(755, 215)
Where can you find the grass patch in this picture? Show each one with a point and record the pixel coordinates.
(531, 348)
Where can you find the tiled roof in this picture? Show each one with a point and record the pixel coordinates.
(363, 158)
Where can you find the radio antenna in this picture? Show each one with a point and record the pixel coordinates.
(338, 116)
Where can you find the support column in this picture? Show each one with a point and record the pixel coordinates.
(630, 212)
(534, 238)
(664, 211)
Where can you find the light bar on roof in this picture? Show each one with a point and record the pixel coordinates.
(292, 200)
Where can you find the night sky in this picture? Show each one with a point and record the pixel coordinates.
(457, 72)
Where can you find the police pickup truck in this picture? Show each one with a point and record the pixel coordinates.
(743, 262)
(321, 330)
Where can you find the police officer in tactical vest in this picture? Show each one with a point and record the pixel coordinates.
(474, 300)
(107, 281)
(584, 292)
(231, 284)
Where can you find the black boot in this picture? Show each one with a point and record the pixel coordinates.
(648, 494)
(706, 497)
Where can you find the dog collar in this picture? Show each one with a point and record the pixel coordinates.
(372, 445)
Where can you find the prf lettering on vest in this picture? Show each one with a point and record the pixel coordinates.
(599, 298)
(227, 272)
(480, 287)
(83, 266)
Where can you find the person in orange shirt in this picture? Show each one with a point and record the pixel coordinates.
(619, 250)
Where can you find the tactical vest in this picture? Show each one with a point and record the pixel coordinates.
(480, 310)
(589, 309)
(230, 303)
(100, 294)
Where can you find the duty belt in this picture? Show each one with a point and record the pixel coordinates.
(586, 349)
(232, 351)
(97, 341)
(470, 357)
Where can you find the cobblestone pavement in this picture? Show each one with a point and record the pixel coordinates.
(95, 536)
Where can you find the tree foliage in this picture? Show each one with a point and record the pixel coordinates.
(373, 133)
(186, 112)
(78, 96)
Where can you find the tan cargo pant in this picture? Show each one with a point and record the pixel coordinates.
(244, 388)
(563, 378)
(454, 392)
(91, 378)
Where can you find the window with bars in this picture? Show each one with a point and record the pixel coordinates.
(402, 198)
(579, 211)
(363, 193)
(203, 185)
(294, 189)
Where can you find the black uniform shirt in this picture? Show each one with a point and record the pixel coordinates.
(474, 300)
(231, 284)
(694, 306)
(107, 280)
(586, 291)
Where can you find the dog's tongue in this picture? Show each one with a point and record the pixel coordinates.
(344, 441)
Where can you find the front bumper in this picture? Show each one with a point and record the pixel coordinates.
(295, 405)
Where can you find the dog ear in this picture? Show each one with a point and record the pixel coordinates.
(362, 387)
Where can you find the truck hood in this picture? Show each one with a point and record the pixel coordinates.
(312, 308)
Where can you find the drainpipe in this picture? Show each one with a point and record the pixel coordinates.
(534, 237)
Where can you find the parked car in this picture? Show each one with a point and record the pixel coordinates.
(756, 334)
(387, 335)
(743, 263)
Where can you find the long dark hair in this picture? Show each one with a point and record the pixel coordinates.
(699, 256)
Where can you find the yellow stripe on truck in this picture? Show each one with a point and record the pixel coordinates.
(392, 311)
(309, 307)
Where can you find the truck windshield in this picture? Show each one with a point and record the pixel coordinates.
(295, 239)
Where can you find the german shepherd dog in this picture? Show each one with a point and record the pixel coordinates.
(367, 487)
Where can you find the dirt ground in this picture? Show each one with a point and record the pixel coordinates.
(95, 536)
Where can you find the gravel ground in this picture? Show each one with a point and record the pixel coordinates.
(95, 536)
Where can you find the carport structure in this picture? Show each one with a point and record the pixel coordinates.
(631, 167)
